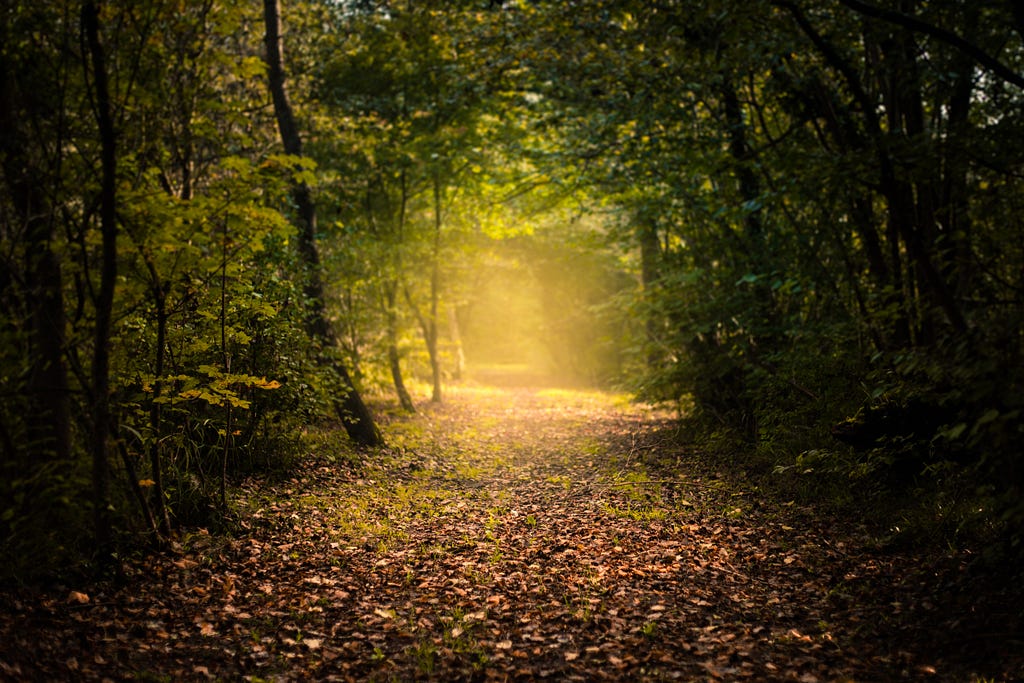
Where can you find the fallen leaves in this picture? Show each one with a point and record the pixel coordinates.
(77, 598)
(503, 553)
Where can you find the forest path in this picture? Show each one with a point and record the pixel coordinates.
(509, 534)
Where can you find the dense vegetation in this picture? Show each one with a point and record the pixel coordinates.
(797, 220)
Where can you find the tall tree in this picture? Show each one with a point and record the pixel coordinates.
(101, 409)
(356, 417)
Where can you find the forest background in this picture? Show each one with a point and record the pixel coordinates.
(797, 221)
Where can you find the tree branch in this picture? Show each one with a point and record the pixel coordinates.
(938, 33)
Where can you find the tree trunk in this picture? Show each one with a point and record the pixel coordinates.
(902, 223)
(456, 337)
(954, 216)
(394, 360)
(354, 414)
(650, 267)
(749, 187)
(156, 418)
(101, 410)
(911, 199)
(430, 328)
(842, 130)
(158, 289)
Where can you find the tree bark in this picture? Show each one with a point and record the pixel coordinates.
(394, 359)
(156, 417)
(749, 188)
(395, 226)
(650, 267)
(953, 214)
(354, 414)
(910, 199)
(456, 336)
(101, 410)
(430, 330)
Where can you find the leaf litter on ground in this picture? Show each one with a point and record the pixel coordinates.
(521, 534)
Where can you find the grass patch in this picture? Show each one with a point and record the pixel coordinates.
(560, 480)
(635, 512)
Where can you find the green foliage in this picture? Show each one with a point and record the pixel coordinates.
(821, 210)
(975, 391)
(211, 370)
(814, 241)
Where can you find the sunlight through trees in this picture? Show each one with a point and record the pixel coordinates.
(795, 222)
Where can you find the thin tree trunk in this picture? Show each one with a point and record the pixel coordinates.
(430, 330)
(845, 134)
(901, 220)
(394, 359)
(391, 300)
(140, 497)
(226, 368)
(910, 203)
(156, 419)
(158, 289)
(101, 410)
(456, 337)
(954, 215)
(650, 256)
(354, 414)
(749, 188)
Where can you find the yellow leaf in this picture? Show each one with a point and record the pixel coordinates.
(145, 483)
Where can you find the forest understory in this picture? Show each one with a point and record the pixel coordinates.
(518, 533)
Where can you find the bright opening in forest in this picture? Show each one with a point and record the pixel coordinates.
(502, 323)
(536, 308)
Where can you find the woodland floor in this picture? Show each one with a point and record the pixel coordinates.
(520, 534)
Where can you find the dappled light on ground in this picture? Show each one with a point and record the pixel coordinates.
(510, 533)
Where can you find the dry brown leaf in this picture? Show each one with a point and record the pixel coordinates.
(77, 598)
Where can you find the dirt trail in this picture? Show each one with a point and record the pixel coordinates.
(511, 534)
